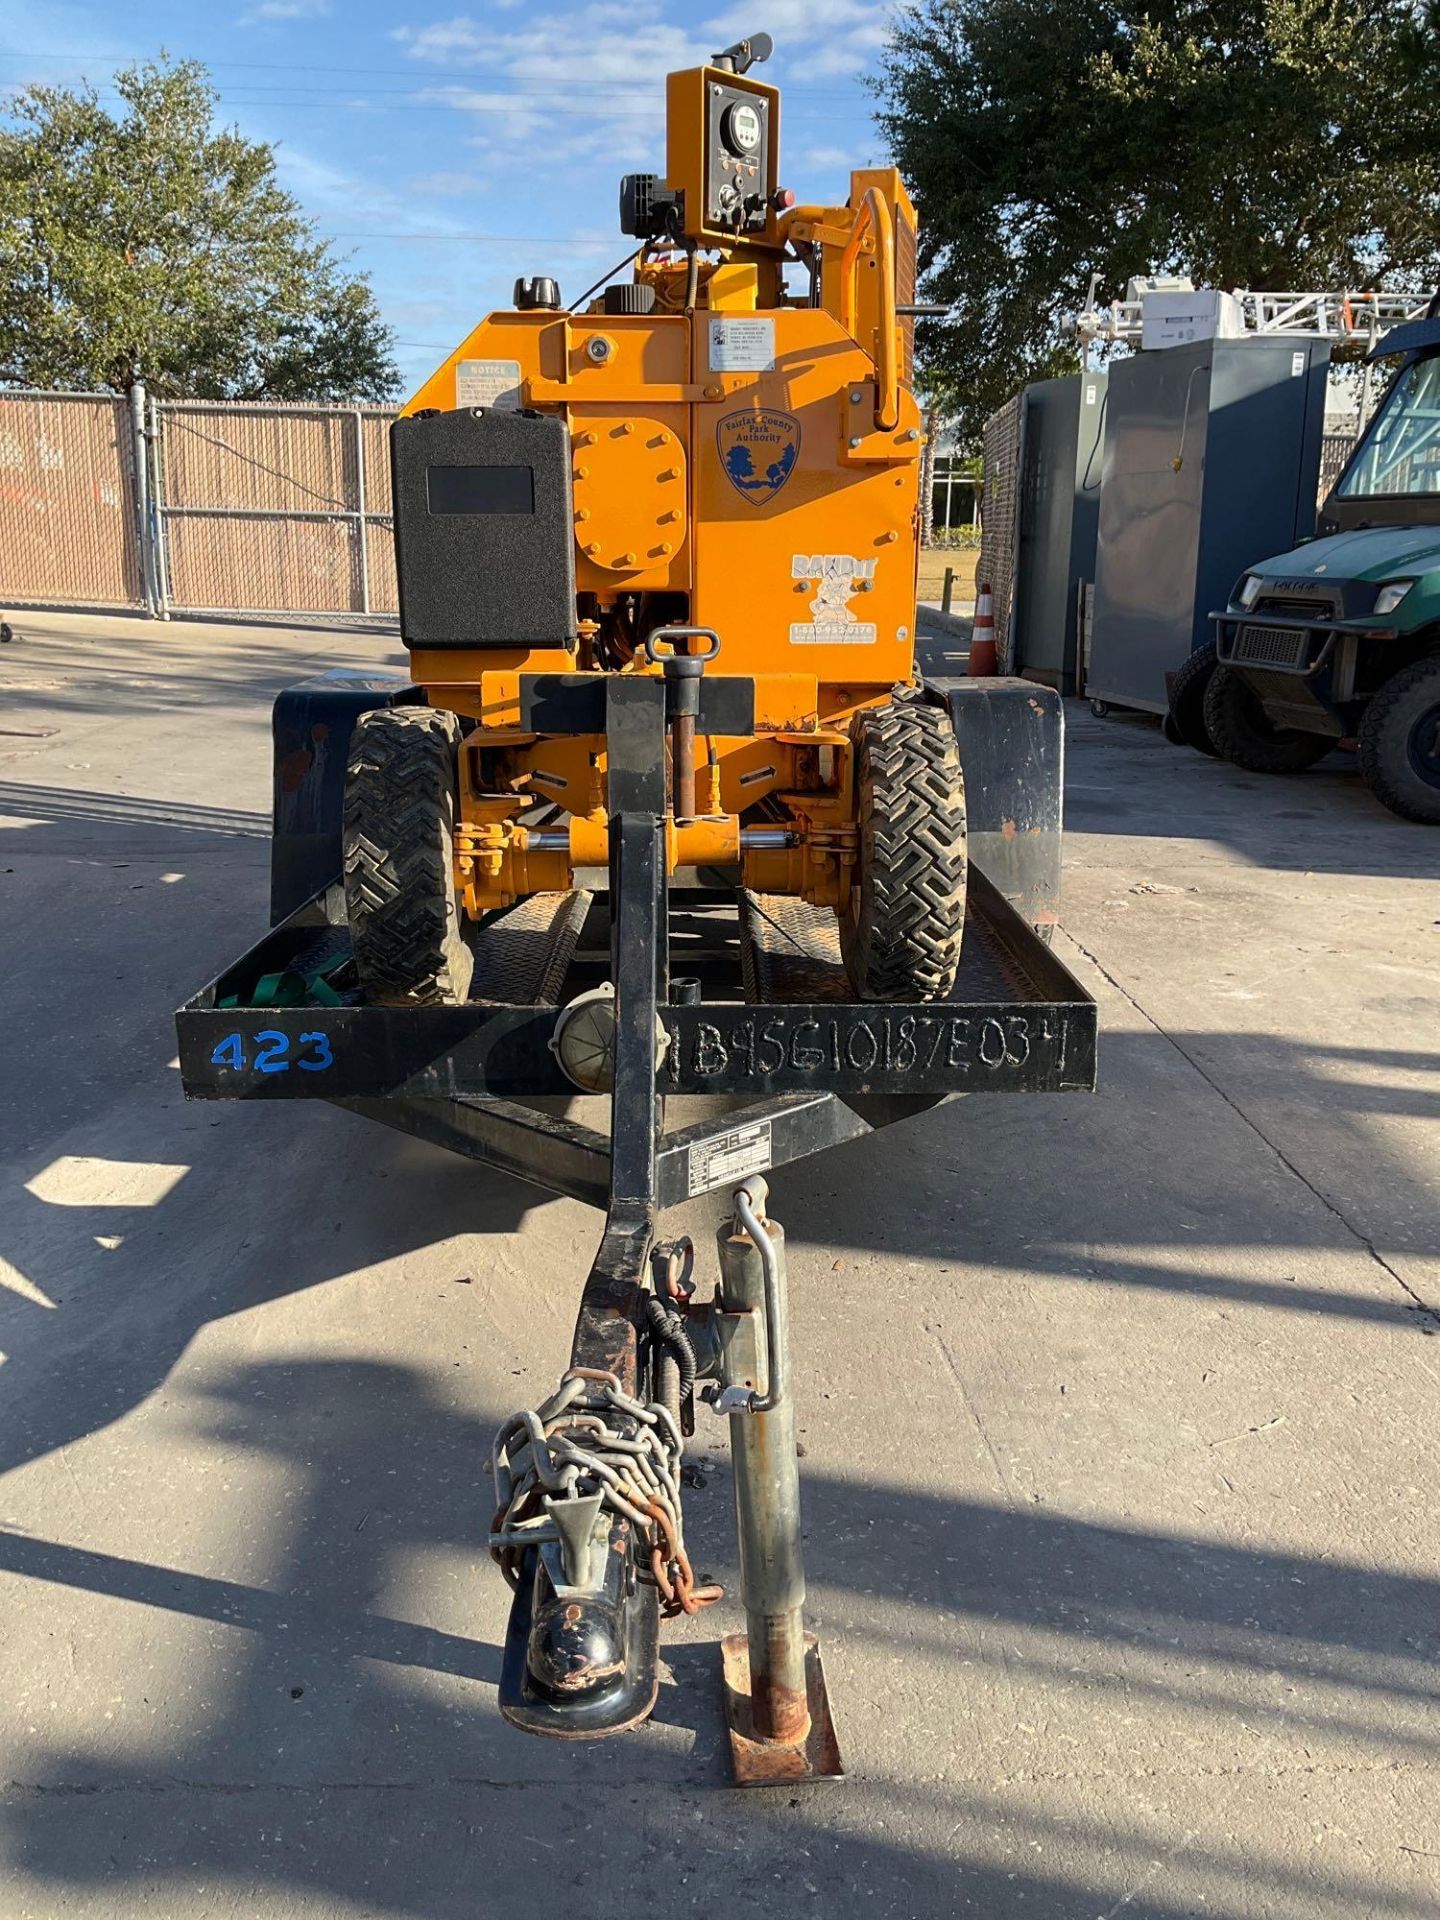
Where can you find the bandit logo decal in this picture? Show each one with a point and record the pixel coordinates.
(837, 577)
(758, 452)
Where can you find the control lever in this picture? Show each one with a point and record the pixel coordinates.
(683, 673)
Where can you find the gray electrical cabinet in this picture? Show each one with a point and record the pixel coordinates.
(1061, 463)
(1212, 462)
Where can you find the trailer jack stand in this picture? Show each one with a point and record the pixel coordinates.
(776, 1704)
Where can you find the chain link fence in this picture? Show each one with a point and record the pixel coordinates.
(1335, 450)
(999, 515)
(195, 506)
(69, 518)
(278, 509)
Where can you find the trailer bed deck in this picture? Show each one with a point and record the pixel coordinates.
(758, 1015)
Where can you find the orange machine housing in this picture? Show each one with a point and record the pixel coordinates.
(745, 459)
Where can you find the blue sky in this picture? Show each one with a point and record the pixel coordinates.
(448, 149)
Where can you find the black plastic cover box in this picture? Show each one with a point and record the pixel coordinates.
(484, 531)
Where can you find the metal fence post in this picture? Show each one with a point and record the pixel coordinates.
(144, 532)
(364, 530)
(161, 557)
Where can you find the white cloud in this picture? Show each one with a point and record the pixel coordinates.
(345, 202)
(608, 40)
(269, 10)
(448, 185)
(568, 53)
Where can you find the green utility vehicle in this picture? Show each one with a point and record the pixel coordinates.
(1339, 639)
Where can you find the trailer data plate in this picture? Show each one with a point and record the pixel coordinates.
(728, 1157)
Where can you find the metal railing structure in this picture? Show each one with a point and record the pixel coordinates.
(956, 493)
(1312, 316)
(194, 506)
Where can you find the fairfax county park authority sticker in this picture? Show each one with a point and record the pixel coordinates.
(758, 452)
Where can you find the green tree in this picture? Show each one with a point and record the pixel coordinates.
(1248, 143)
(152, 241)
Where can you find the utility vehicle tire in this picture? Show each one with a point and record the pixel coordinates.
(399, 880)
(1187, 701)
(1236, 723)
(1400, 742)
(900, 935)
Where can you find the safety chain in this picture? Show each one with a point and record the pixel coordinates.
(592, 1438)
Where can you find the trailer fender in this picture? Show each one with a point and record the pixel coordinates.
(1012, 752)
(311, 725)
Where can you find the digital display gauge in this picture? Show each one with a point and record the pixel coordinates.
(741, 129)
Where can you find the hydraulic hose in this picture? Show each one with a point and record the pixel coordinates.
(776, 1382)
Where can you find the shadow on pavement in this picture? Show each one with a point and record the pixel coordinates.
(1324, 820)
(318, 1755)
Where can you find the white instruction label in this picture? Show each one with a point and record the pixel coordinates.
(1297, 365)
(729, 1156)
(742, 346)
(488, 383)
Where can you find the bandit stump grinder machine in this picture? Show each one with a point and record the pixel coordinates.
(663, 810)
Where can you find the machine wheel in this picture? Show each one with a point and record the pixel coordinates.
(1236, 723)
(901, 933)
(1100, 709)
(399, 879)
(1187, 701)
(1400, 743)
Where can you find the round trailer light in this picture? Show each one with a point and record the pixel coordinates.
(584, 1040)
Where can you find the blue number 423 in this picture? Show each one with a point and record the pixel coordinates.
(272, 1052)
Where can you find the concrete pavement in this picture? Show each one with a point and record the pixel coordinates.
(1119, 1414)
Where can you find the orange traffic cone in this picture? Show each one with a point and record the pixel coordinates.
(984, 660)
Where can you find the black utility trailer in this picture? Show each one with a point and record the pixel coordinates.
(720, 993)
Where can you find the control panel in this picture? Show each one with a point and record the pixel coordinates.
(737, 158)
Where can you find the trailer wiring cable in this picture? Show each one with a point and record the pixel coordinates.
(667, 1329)
(589, 1439)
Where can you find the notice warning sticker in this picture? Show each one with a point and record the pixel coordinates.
(488, 383)
(729, 1156)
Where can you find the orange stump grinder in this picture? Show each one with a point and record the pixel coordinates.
(666, 810)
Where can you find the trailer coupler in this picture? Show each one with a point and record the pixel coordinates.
(588, 1532)
(589, 1528)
